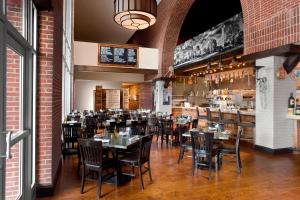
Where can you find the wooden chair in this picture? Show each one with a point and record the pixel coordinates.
(242, 125)
(152, 125)
(167, 130)
(121, 125)
(139, 158)
(223, 120)
(91, 126)
(185, 142)
(202, 150)
(93, 161)
(70, 134)
(232, 150)
(210, 118)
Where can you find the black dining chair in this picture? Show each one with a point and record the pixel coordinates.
(167, 130)
(142, 127)
(70, 134)
(121, 125)
(93, 161)
(91, 126)
(152, 125)
(210, 118)
(139, 159)
(234, 150)
(225, 121)
(185, 142)
(242, 125)
(202, 151)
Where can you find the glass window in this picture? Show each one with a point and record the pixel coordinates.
(15, 14)
(13, 120)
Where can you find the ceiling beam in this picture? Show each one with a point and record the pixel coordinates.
(285, 51)
(85, 68)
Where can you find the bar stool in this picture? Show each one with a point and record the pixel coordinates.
(224, 121)
(241, 125)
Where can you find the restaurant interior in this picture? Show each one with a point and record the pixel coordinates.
(149, 99)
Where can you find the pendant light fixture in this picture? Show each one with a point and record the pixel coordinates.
(135, 14)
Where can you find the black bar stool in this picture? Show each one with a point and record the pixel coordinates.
(241, 125)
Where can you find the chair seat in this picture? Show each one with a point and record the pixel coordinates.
(131, 158)
(106, 163)
(227, 148)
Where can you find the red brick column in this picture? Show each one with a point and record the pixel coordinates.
(145, 95)
(49, 101)
(45, 101)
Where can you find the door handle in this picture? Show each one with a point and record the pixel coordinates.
(7, 154)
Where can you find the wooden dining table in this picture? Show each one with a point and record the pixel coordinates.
(120, 141)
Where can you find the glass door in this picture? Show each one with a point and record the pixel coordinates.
(17, 79)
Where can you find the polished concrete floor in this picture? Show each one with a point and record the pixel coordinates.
(263, 176)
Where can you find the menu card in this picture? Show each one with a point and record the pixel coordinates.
(118, 55)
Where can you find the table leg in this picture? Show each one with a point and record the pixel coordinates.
(116, 170)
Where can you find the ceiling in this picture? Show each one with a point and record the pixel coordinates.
(93, 22)
(204, 15)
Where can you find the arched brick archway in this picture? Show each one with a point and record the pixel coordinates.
(267, 24)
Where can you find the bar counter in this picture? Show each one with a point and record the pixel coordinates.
(296, 119)
(246, 116)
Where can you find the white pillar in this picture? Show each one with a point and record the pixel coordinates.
(160, 106)
(273, 129)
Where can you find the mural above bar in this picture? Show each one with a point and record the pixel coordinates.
(226, 36)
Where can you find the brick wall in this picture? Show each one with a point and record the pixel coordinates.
(49, 102)
(267, 24)
(44, 101)
(57, 87)
(145, 95)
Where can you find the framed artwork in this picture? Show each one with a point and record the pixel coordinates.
(166, 97)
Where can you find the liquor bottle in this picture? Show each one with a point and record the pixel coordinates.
(291, 103)
(297, 108)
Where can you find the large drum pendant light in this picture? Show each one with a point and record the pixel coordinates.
(135, 14)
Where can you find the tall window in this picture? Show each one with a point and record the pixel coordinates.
(67, 81)
(17, 98)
